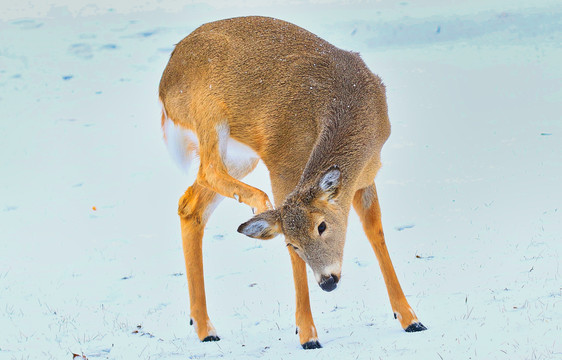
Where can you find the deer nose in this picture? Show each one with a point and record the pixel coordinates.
(329, 283)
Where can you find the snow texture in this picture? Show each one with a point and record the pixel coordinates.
(90, 251)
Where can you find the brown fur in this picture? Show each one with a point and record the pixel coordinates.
(317, 117)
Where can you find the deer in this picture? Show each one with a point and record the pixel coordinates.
(246, 89)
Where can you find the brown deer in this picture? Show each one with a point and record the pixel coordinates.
(243, 89)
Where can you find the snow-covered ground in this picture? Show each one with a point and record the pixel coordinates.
(90, 251)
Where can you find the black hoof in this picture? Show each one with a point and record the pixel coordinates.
(415, 327)
(190, 321)
(311, 345)
(211, 338)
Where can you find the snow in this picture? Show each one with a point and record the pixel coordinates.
(90, 251)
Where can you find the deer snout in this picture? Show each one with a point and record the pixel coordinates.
(329, 276)
(329, 282)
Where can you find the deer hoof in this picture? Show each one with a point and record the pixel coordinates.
(211, 338)
(415, 327)
(311, 345)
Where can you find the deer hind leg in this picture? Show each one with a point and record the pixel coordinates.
(220, 167)
(366, 204)
(194, 209)
(305, 324)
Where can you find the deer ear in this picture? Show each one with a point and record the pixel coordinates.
(263, 226)
(329, 183)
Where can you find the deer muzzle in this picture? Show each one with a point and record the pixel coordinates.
(329, 283)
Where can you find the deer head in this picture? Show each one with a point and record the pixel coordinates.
(314, 224)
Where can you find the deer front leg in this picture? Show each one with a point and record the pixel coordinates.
(193, 214)
(214, 174)
(366, 203)
(224, 184)
(305, 324)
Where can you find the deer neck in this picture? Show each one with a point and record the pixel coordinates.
(341, 143)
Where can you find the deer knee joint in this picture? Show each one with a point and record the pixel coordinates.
(187, 208)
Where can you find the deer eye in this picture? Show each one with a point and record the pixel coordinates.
(321, 228)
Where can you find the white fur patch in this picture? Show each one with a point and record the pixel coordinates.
(328, 270)
(211, 328)
(318, 277)
(238, 158)
(182, 144)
